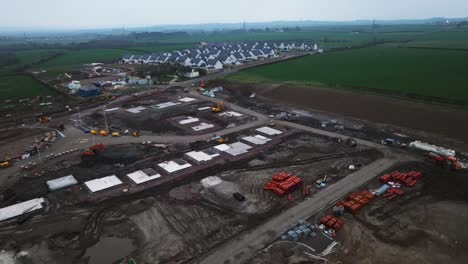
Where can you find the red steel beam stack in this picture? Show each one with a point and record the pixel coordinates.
(409, 179)
(283, 183)
(356, 201)
(331, 222)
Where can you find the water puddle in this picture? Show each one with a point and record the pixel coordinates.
(109, 250)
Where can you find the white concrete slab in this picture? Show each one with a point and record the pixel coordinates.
(201, 156)
(172, 166)
(231, 114)
(188, 120)
(112, 109)
(202, 126)
(103, 183)
(166, 105)
(62, 182)
(187, 99)
(140, 177)
(136, 110)
(256, 140)
(269, 131)
(222, 147)
(21, 208)
(238, 148)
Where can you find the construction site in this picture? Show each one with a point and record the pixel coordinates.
(224, 175)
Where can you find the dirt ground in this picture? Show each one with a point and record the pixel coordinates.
(423, 226)
(425, 117)
(151, 121)
(16, 141)
(175, 222)
(439, 124)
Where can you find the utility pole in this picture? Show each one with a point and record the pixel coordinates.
(373, 31)
(105, 120)
(79, 115)
(37, 147)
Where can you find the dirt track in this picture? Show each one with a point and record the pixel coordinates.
(427, 117)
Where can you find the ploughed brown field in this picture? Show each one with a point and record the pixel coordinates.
(433, 118)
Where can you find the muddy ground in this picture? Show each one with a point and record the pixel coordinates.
(440, 124)
(151, 121)
(16, 141)
(423, 226)
(177, 222)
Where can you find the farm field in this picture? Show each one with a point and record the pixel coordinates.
(85, 56)
(384, 69)
(454, 39)
(331, 39)
(160, 48)
(20, 86)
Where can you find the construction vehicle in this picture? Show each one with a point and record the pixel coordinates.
(5, 164)
(439, 160)
(136, 134)
(202, 84)
(115, 134)
(93, 150)
(44, 119)
(218, 107)
(351, 142)
(103, 133)
(321, 183)
(222, 140)
(94, 132)
(238, 196)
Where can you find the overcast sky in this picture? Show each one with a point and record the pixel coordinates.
(115, 13)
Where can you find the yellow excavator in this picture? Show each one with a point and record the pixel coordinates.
(5, 164)
(218, 107)
(115, 134)
(222, 140)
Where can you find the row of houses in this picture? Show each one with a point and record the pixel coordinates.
(215, 56)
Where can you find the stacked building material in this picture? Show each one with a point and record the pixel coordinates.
(392, 193)
(409, 179)
(331, 222)
(283, 183)
(299, 231)
(356, 201)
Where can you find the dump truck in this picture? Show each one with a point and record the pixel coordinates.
(103, 133)
(218, 107)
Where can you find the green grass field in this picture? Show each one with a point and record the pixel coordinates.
(74, 57)
(159, 48)
(331, 39)
(453, 39)
(21, 86)
(425, 73)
